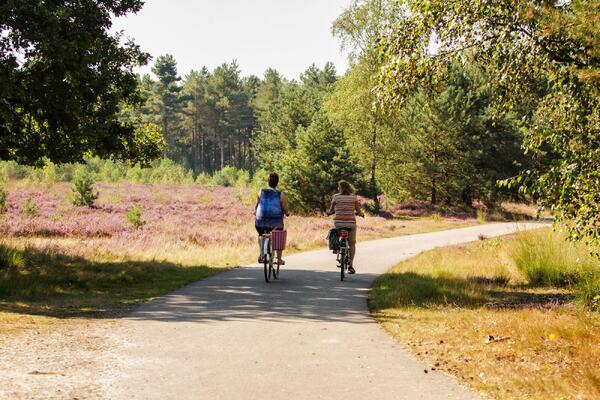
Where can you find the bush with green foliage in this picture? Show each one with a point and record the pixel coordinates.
(204, 179)
(83, 192)
(29, 209)
(168, 171)
(99, 170)
(134, 217)
(10, 170)
(260, 179)
(231, 176)
(160, 171)
(481, 215)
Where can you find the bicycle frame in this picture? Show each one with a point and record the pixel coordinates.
(271, 269)
(266, 244)
(343, 257)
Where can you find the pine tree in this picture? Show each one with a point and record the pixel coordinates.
(169, 102)
(311, 171)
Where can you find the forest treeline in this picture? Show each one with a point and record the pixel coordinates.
(443, 100)
(449, 147)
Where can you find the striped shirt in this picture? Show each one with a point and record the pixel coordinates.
(345, 208)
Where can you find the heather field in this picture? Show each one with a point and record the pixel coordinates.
(188, 224)
(188, 232)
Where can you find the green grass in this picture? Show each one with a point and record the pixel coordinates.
(547, 259)
(50, 282)
(588, 290)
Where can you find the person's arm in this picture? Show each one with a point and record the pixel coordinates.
(256, 205)
(331, 208)
(358, 209)
(284, 206)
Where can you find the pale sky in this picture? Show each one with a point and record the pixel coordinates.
(288, 35)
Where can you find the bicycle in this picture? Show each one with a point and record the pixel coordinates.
(271, 269)
(343, 255)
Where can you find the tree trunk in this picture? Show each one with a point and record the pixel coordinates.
(165, 124)
(434, 174)
(222, 148)
(202, 150)
(373, 184)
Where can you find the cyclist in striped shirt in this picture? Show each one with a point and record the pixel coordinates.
(346, 207)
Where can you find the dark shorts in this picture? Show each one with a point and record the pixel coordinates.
(263, 229)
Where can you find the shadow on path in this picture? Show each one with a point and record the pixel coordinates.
(242, 294)
(416, 291)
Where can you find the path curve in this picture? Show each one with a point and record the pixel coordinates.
(306, 336)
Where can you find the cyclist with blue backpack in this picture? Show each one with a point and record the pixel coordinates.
(270, 208)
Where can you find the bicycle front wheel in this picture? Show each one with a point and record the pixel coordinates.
(275, 270)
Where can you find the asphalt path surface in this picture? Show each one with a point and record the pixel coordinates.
(305, 336)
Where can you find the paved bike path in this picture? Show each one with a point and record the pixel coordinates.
(305, 336)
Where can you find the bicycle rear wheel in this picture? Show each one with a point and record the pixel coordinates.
(343, 262)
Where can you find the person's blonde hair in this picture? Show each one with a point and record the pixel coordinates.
(344, 187)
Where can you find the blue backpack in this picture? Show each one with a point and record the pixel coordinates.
(269, 209)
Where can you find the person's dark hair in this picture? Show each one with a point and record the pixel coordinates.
(345, 187)
(273, 180)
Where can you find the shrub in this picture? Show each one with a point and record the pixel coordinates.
(83, 193)
(10, 170)
(168, 171)
(29, 209)
(3, 205)
(259, 180)
(137, 174)
(243, 179)
(228, 176)
(134, 217)
(204, 179)
(481, 215)
(106, 169)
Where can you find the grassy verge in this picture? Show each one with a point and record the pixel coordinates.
(501, 315)
(49, 282)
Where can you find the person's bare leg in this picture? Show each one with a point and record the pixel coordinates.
(352, 253)
(279, 257)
